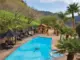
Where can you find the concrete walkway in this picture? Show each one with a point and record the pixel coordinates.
(54, 43)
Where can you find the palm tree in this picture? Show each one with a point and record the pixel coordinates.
(78, 30)
(78, 13)
(70, 46)
(73, 8)
(62, 17)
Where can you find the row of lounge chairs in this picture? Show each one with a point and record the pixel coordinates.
(23, 34)
(6, 46)
(19, 35)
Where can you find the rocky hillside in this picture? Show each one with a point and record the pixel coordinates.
(46, 13)
(19, 6)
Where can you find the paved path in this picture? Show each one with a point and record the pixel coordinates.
(54, 43)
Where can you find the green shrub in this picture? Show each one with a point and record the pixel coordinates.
(10, 21)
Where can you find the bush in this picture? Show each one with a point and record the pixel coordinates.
(11, 21)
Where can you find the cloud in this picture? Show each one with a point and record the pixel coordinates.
(71, 1)
(47, 1)
(65, 1)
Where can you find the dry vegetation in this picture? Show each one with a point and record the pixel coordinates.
(19, 6)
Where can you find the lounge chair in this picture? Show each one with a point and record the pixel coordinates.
(28, 33)
(19, 38)
(6, 46)
(9, 42)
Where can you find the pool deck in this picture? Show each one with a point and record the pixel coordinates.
(5, 53)
(54, 42)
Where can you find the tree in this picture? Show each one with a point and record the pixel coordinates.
(78, 30)
(62, 17)
(30, 20)
(10, 21)
(65, 31)
(49, 20)
(6, 19)
(70, 46)
(79, 13)
(73, 8)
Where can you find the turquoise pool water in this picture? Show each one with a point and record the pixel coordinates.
(38, 48)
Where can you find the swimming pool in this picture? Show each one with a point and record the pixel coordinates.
(38, 48)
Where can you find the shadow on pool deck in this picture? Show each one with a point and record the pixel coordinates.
(5, 53)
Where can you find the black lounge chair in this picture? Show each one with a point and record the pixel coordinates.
(9, 42)
(6, 46)
(18, 35)
(21, 35)
(26, 34)
(19, 38)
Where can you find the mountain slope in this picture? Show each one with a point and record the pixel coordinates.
(46, 13)
(19, 6)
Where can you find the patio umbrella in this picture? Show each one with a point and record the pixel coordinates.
(9, 33)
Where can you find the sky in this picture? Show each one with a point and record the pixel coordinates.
(50, 5)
